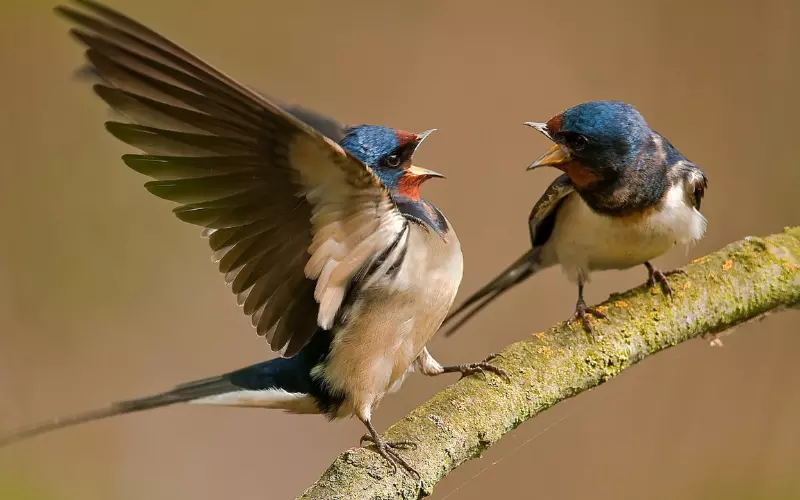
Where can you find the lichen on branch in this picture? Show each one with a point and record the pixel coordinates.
(742, 281)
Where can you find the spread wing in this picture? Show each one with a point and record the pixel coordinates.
(543, 216)
(291, 217)
(327, 126)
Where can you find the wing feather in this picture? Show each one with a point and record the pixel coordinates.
(542, 218)
(291, 217)
(698, 183)
(187, 167)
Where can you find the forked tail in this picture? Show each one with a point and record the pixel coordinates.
(281, 383)
(180, 394)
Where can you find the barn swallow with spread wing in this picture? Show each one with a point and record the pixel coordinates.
(626, 197)
(319, 229)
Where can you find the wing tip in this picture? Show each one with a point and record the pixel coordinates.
(107, 93)
(61, 10)
(135, 161)
(68, 11)
(117, 129)
(128, 132)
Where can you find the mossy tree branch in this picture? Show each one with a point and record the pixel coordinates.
(744, 280)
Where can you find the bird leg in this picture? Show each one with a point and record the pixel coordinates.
(654, 275)
(386, 449)
(582, 310)
(430, 367)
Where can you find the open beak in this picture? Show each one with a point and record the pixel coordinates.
(419, 171)
(423, 172)
(554, 157)
(541, 127)
(422, 135)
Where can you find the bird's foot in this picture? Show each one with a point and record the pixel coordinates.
(582, 312)
(492, 356)
(386, 449)
(713, 339)
(467, 369)
(661, 278)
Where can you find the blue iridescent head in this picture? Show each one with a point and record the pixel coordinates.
(595, 140)
(388, 153)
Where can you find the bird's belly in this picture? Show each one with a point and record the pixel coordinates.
(389, 326)
(584, 240)
(627, 247)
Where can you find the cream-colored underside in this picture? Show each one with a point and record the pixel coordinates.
(584, 241)
(393, 321)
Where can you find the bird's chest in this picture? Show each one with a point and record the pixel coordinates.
(584, 240)
(428, 283)
(396, 315)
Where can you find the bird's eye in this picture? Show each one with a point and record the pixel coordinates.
(393, 160)
(577, 142)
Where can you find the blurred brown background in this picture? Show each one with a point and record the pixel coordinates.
(104, 295)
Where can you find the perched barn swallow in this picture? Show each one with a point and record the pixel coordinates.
(319, 229)
(626, 197)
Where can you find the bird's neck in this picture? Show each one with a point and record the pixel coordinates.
(641, 186)
(421, 212)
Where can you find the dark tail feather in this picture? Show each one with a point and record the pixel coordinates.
(516, 273)
(180, 394)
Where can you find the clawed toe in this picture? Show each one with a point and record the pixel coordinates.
(582, 313)
(492, 356)
(596, 313)
(660, 277)
(386, 449)
(410, 445)
(484, 366)
(472, 368)
(367, 438)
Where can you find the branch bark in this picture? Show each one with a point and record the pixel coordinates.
(743, 281)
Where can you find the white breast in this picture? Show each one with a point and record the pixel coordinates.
(584, 241)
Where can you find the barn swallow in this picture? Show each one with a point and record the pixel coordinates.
(318, 228)
(626, 197)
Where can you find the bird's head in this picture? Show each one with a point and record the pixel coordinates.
(594, 141)
(388, 153)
